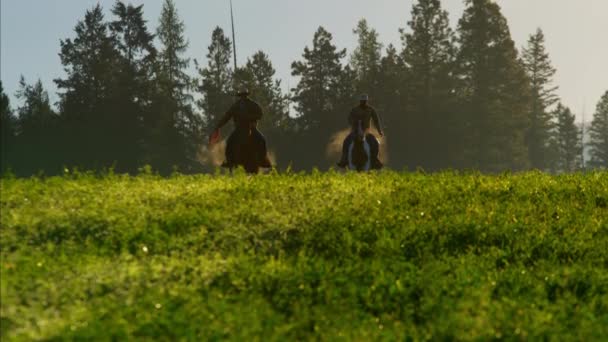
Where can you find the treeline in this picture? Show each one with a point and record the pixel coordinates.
(464, 99)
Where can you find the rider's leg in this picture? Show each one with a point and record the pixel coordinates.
(374, 146)
(344, 159)
(261, 148)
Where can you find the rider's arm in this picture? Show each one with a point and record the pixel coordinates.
(224, 120)
(376, 120)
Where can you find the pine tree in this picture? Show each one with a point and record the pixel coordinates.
(87, 92)
(258, 75)
(132, 102)
(346, 96)
(173, 65)
(494, 91)
(136, 46)
(567, 140)
(37, 124)
(35, 114)
(540, 73)
(216, 79)
(390, 103)
(319, 73)
(7, 131)
(89, 62)
(134, 40)
(429, 55)
(319, 95)
(366, 58)
(175, 130)
(5, 111)
(599, 134)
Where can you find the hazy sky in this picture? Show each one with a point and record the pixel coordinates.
(575, 30)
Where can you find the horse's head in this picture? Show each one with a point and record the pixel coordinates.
(359, 152)
(358, 131)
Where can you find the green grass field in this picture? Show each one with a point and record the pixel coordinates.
(388, 256)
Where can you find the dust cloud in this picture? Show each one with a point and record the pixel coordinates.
(212, 155)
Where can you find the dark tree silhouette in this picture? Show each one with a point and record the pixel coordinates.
(319, 98)
(599, 134)
(135, 85)
(429, 56)
(567, 140)
(37, 123)
(494, 91)
(391, 102)
(366, 60)
(540, 73)
(87, 93)
(175, 130)
(216, 83)
(8, 131)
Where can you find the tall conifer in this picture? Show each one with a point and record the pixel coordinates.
(540, 72)
(567, 140)
(599, 134)
(494, 91)
(320, 94)
(216, 83)
(429, 56)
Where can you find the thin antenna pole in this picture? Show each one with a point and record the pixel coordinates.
(233, 36)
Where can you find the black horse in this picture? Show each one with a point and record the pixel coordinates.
(247, 151)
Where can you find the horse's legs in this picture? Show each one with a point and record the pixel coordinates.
(368, 151)
(346, 145)
(231, 149)
(374, 145)
(261, 150)
(350, 147)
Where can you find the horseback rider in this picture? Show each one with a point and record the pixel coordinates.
(365, 114)
(245, 113)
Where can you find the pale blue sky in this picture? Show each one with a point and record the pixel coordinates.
(575, 31)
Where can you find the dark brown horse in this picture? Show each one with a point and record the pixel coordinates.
(247, 153)
(359, 151)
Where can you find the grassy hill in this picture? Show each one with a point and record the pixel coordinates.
(386, 256)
